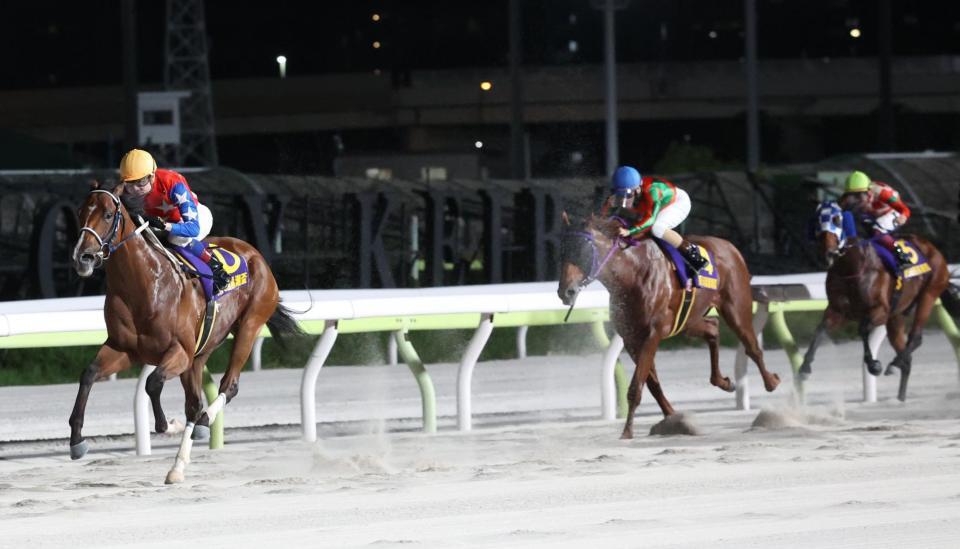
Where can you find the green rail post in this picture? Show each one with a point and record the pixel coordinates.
(619, 376)
(949, 328)
(778, 323)
(211, 391)
(429, 400)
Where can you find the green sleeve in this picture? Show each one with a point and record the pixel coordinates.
(661, 195)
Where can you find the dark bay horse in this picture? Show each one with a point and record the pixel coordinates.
(153, 313)
(646, 296)
(861, 289)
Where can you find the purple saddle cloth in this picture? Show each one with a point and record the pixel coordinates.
(706, 278)
(233, 264)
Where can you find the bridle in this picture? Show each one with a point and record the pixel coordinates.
(596, 266)
(106, 243)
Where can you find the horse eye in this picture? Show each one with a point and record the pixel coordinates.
(108, 216)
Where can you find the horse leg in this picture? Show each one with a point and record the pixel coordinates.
(740, 320)
(153, 387)
(192, 381)
(897, 335)
(867, 327)
(108, 361)
(653, 384)
(244, 338)
(904, 359)
(831, 319)
(642, 355)
(709, 330)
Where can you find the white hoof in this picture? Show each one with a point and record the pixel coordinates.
(200, 432)
(174, 477)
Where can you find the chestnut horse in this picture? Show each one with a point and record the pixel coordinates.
(861, 289)
(153, 313)
(646, 295)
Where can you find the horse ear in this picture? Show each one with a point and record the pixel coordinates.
(118, 190)
(565, 218)
(94, 184)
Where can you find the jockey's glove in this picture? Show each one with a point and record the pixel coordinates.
(156, 223)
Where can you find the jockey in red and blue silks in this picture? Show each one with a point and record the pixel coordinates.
(171, 207)
(652, 204)
(882, 204)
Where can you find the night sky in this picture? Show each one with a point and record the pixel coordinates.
(78, 43)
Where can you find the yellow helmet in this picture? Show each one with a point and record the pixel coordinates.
(136, 164)
(857, 182)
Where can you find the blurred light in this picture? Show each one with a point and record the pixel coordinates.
(375, 17)
(282, 62)
(376, 44)
(376, 72)
(573, 46)
(486, 85)
(478, 144)
(576, 157)
(855, 32)
(712, 34)
(572, 19)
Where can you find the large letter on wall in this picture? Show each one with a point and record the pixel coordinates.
(492, 236)
(442, 238)
(370, 223)
(542, 226)
(44, 243)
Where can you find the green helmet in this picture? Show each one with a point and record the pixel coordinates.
(857, 182)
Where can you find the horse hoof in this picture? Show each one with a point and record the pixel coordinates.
(773, 384)
(731, 387)
(626, 436)
(200, 432)
(874, 367)
(803, 376)
(174, 477)
(79, 450)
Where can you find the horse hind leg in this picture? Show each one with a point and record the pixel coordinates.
(108, 361)
(192, 381)
(709, 330)
(904, 359)
(740, 320)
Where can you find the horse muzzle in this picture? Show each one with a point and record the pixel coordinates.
(569, 294)
(85, 263)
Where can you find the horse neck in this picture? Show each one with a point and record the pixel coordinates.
(636, 262)
(135, 270)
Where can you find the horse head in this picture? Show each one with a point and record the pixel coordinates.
(586, 244)
(101, 225)
(833, 228)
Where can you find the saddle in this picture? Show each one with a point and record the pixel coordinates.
(707, 277)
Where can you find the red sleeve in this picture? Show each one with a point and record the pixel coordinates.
(892, 198)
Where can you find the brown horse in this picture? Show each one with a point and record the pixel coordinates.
(861, 289)
(153, 313)
(646, 296)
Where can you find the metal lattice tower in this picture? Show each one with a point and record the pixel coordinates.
(186, 68)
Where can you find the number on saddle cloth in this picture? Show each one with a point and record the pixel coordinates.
(233, 264)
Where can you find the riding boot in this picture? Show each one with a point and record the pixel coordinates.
(691, 254)
(220, 278)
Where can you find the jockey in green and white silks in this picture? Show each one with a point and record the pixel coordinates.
(653, 205)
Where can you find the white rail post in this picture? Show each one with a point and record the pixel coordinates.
(308, 384)
(391, 349)
(465, 373)
(740, 365)
(255, 360)
(608, 386)
(522, 341)
(141, 412)
(874, 341)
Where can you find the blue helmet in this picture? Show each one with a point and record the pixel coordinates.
(625, 181)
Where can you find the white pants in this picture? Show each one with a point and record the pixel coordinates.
(672, 215)
(887, 222)
(205, 218)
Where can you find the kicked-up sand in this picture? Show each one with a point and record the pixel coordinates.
(538, 470)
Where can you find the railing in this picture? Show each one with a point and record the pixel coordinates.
(79, 321)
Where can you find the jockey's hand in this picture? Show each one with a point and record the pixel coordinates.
(624, 232)
(156, 223)
(901, 219)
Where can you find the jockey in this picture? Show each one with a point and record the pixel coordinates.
(655, 205)
(884, 206)
(172, 207)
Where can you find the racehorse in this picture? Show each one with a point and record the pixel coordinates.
(647, 299)
(153, 313)
(860, 288)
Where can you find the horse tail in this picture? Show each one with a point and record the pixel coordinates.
(282, 324)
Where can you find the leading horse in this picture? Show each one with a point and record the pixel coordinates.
(646, 299)
(153, 313)
(861, 289)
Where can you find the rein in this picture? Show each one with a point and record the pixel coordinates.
(106, 244)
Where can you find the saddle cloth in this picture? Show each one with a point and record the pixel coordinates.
(233, 264)
(918, 263)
